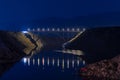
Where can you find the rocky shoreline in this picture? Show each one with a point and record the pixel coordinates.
(103, 70)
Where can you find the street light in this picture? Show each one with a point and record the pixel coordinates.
(38, 29)
(48, 29)
(68, 29)
(43, 29)
(58, 29)
(33, 29)
(28, 29)
(53, 29)
(63, 29)
(24, 32)
(73, 29)
(78, 29)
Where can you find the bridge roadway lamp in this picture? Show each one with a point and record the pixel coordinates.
(68, 29)
(24, 32)
(28, 29)
(58, 29)
(38, 29)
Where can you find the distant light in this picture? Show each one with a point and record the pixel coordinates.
(24, 32)
(43, 29)
(28, 29)
(53, 29)
(78, 29)
(33, 29)
(58, 29)
(84, 29)
(68, 29)
(38, 29)
(63, 29)
(73, 29)
(48, 29)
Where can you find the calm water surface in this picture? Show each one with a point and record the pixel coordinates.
(47, 65)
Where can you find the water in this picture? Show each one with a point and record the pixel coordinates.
(46, 65)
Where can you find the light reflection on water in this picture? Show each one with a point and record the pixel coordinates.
(47, 66)
(54, 65)
(51, 61)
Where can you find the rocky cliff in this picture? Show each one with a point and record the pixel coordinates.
(98, 43)
(16, 45)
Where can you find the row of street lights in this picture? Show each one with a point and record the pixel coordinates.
(56, 29)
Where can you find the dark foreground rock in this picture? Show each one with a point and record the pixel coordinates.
(14, 46)
(103, 70)
(98, 43)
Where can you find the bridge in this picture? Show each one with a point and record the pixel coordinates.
(61, 35)
(56, 29)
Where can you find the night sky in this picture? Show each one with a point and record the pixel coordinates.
(12, 11)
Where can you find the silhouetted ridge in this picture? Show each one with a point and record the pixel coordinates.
(98, 43)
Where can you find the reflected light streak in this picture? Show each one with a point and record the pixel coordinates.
(53, 61)
(68, 64)
(63, 64)
(58, 62)
(28, 61)
(78, 62)
(84, 62)
(73, 63)
(33, 61)
(43, 61)
(38, 61)
(48, 61)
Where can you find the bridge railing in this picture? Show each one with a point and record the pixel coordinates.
(56, 29)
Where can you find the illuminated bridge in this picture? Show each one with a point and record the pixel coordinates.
(62, 36)
(56, 29)
(64, 33)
